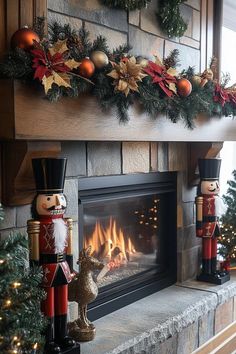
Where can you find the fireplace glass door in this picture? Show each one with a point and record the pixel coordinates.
(131, 228)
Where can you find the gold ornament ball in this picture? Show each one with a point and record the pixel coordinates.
(196, 80)
(24, 38)
(86, 68)
(184, 87)
(99, 59)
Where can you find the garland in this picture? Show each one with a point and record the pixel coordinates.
(68, 63)
(171, 21)
(126, 4)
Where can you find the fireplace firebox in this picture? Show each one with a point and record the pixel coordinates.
(130, 223)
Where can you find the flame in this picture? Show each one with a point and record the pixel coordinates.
(110, 243)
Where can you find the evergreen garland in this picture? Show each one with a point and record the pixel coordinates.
(126, 4)
(170, 19)
(21, 321)
(210, 98)
(228, 227)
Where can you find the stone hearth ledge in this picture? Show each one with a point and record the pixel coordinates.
(144, 326)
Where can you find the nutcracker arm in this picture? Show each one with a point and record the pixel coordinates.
(199, 216)
(69, 255)
(33, 230)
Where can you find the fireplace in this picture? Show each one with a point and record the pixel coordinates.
(130, 222)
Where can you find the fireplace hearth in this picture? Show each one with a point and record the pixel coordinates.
(130, 222)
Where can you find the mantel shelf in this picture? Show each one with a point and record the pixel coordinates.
(26, 115)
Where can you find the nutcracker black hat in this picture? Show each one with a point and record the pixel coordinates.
(49, 174)
(209, 169)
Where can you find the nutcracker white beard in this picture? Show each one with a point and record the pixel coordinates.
(60, 235)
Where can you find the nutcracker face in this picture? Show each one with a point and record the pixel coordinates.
(210, 187)
(51, 204)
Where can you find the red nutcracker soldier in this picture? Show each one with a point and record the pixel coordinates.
(50, 246)
(209, 207)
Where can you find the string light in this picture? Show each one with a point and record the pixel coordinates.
(16, 285)
(8, 302)
(2, 261)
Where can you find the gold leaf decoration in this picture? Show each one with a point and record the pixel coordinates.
(59, 47)
(61, 79)
(72, 64)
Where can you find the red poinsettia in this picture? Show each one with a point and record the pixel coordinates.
(232, 97)
(220, 95)
(45, 63)
(162, 77)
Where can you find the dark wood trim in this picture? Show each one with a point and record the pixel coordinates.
(217, 37)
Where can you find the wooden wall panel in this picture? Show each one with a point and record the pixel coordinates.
(203, 34)
(26, 13)
(2, 27)
(13, 16)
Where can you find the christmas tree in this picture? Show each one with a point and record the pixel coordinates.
(228, 226)
(21, 321)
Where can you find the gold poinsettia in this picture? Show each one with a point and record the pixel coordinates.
(126, 75)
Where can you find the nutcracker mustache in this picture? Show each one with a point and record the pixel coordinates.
(54, 207)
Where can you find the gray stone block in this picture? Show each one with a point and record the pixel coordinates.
(189, 237)
(190, 42)
(196, 4)
(134, 17)
(188, 209)
(167, 347)
(145, 44)
(187, 14)
(104, 158)
(75, 152)
(206, 327)
(188, 56)
(162, 156)
(196, 25)
(189, 261)
(135, 157)
(71, 193)
(74, 22)
(114, 38)
(91, 10)
(9, 218)
(75, 246)
(188, 339)
(23, 213)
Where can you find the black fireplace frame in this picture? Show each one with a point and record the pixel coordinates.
(120, 294)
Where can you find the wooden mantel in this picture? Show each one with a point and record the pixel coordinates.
(25, 114)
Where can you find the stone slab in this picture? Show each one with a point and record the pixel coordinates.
(75, 152)
(104, 158)
(9, 218)
(149, 321)
(71, 193)
(135, 157)
(196, 25)
(145, 44)
(190, 42)
(74, 22)
(114, 38)
(224, 292)
(188, 56)
(162, 156)
(23, 213)
(223, 315)
(134, 17)
(91, 10)
(188, 339)
(206, 327)
(187, 14)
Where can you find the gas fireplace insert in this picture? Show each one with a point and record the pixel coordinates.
(130, 223)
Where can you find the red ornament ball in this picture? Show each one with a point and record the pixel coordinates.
(86, 68)
(24, 38)
(184, 87)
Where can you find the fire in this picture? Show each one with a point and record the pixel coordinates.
(110, 244)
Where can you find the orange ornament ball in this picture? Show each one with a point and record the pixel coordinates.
(184, 87)
(24, 38)
(86, 68)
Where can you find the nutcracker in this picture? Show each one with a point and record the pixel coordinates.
(209, 208)
(50, 236)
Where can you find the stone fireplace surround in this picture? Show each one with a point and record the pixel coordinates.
(177, 319)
